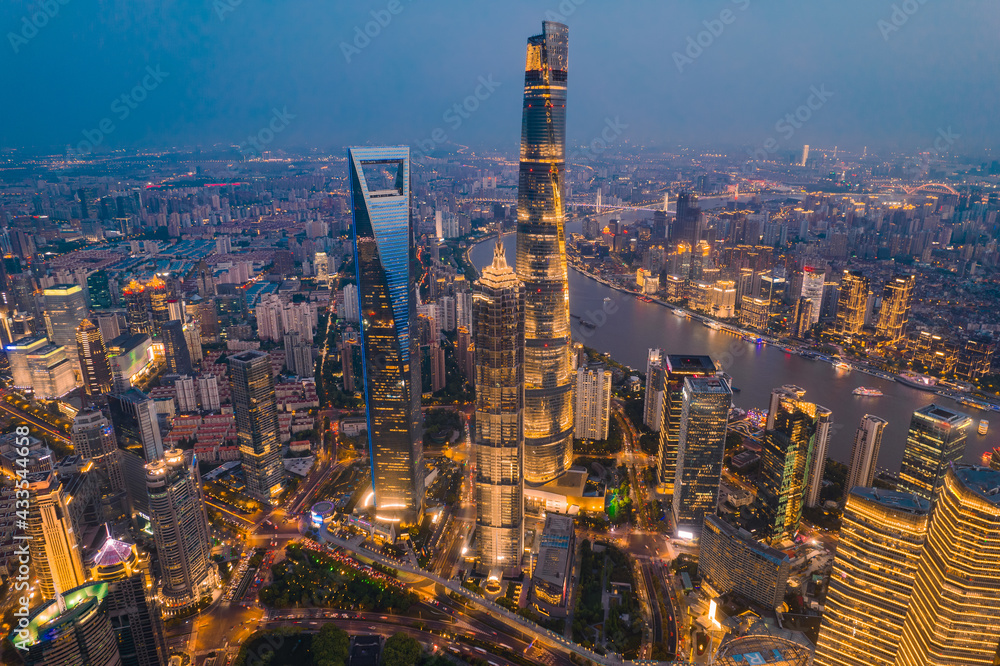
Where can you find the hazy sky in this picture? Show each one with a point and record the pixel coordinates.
(224, 66)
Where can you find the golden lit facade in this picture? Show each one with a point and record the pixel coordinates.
(676, 368)
(256, 412)
(55, 551)
(936, 439)
(896, 299)
(541, 258)
(498, 322)
(755, 312)
(93, 359)
(954, 615)
(136, 315)
(853, 303)
(156, 290)
(881, 538)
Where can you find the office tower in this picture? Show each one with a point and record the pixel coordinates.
(541, 258)
(956, 592)
(187, 399)
(802, 318)
(384, 264)
(435, 374)
(705, 404)
(652, 409)
(812, 288)
(786, 466)
(55, 552)
(256, 412)
(72, 630)
(157, 293)
(110, 326)
(733, 561)
(755, 312)
(853, 303)
(130, 602)
(137, 431)
(136, 315)
(206, 280)
(593, 402)
(208, 389)
(820, 445)
(881, 538)
(175, 346)
(463, 310)
(351, 366)
(864, 454)
(349, 299)
(132, 361)
(192, 334)
(896, 298)
(93, 359)
(94, 438)
(498, 320)
(51, 372)
(466, 351)
(17, 357)
(180, 528)
(686, 223)
(65, 308)
(936, 438)
(676, 369)
(805, 155)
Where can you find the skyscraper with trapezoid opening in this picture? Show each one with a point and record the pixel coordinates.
(384, 265)
(541, 258)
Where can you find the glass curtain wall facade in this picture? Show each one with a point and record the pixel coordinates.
(498, 322)
(384, 264)
(256, 412)
(936, 438)
(676, 369)
(541, 258)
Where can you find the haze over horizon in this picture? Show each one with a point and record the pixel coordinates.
(896, 74)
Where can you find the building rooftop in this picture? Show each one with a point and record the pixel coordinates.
(892, 499)
(708, 385)
(939, 413)
(981, 480)
(690, 364)
(772, 554)
(554, 553)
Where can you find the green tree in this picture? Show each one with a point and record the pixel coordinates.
(331, 646)
(401, 650)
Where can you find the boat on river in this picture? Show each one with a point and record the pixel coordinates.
(867, 392)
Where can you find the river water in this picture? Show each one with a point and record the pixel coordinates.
(628, 327)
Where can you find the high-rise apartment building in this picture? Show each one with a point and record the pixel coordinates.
(593, 402)
(65, 308)
(787, 461)
(952, 618)
(705, 404)
(853, 303)
(94, 438)
(54, 546)
(820, 445)
(676, 369)
(208, 390)
(93, 359)
(733, 561)
(256, 411)
(383, 259)
(936, 438)
(812, 288)
(187, 397)
(881, 538)
(498, 320)
(864, 454)
(896, 299)
(180, 527)
(652, 409)
(541, 258)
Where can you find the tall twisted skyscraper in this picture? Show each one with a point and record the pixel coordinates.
(498, 321)
(541, 258)
(383, 258)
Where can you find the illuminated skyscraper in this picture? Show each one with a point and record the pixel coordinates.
(156, 291)
(384, 264)
(652, 412)
(864, 455)
(55, 551)
(937, 438)
(896, 298)
(136, 315)
(93, 359)
(705, 407)
(541, 258)
(498, 322)
(956, 592)
(94, 438)
(180, 527)
(787, 461)
(820, 445)
(593, 402)
(853, 303)
(73, 630)
(881, 538)
(65, 308)
(812, 288)
(175, 346)
(137, 431)
(676, 369)
(256, 411)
